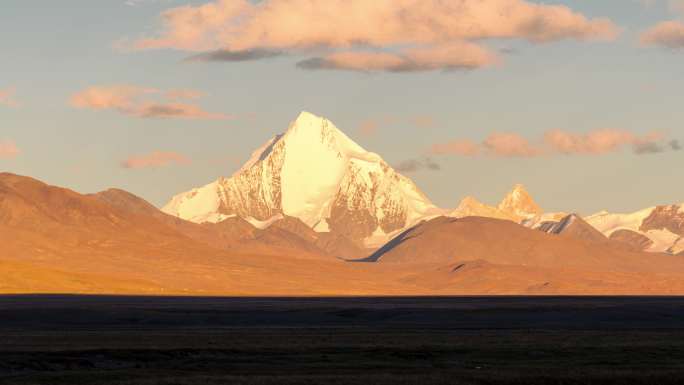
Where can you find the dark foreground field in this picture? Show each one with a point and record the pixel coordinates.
(174, 341)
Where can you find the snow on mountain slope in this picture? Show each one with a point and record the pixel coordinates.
(659, 224)
(606, 222)
(471, 207)
(313, 172)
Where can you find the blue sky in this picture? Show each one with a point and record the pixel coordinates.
(54, 50)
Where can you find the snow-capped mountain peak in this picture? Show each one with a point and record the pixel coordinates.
(316, 173)
(520, 204)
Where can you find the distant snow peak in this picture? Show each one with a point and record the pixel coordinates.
(471, 207)
(517, 206)
(662, 225)
(316, 173)
(520, 204)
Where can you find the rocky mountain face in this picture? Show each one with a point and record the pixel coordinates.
(573, 226)
(670, 218)
(315, 173)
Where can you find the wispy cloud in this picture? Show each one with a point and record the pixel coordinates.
(455, 56)
(415, 165)
(155, 159)
(234, 56)
(559, 142)
(8, 149)
(362, 35)
(7, 97)
(144, 102)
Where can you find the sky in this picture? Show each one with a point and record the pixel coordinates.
(578, 100)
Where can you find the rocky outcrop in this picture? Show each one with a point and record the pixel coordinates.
(669, 218)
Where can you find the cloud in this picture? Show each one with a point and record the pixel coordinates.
(234, 56)
(598, 142)
(649, 148)
(668, 34)
(510, 145)
(8, 149)
(7, 97)
(155, 159)
(456, 56)
(559, 142)
(362, 35)
(139, 102)
(415, 165)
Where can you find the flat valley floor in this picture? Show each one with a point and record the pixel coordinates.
(443, 340)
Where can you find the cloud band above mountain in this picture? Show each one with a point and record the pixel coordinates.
(554, 142)
(361, 35)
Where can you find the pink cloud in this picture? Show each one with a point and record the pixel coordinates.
(139, 102)
(456, 147)
(7, 97)
(510, 145)
(436, 30)
(559, 142)
(155, 159)
(668, 34)
(8, 149)
(595, 142)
